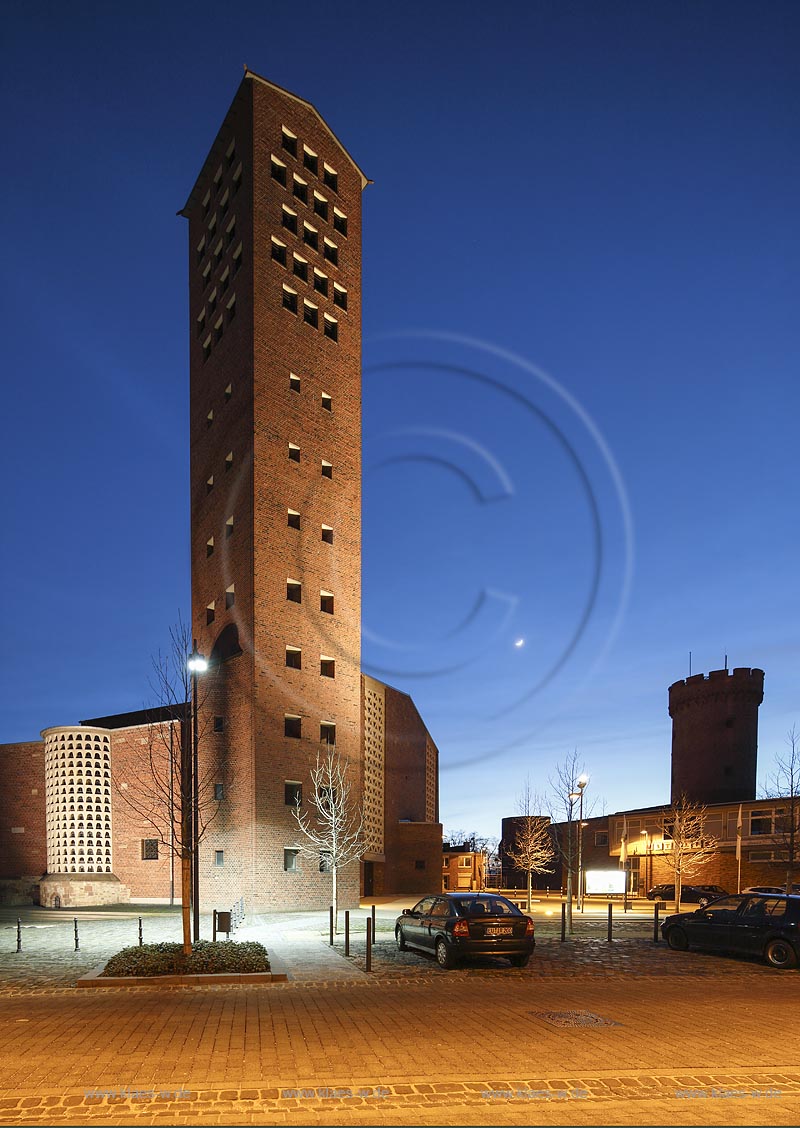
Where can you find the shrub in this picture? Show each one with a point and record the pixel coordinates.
(206, 958)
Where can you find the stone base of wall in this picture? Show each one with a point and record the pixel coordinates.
(76, 891)
(19, 891)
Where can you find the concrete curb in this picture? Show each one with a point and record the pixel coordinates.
(95, 978)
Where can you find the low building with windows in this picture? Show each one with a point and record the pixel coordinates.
(463, 868)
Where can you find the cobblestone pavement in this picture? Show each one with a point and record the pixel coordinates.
(589, 1033)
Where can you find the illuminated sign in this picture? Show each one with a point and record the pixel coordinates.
(605, 882)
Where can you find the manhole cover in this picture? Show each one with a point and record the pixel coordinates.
(574, 1018)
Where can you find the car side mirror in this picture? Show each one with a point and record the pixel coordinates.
(407, 912)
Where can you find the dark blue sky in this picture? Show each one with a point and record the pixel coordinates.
(581, 358)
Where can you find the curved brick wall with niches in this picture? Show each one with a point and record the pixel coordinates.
(77, 763)
(715, 735)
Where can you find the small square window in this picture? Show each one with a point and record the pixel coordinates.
(294, 382)
(340, 297)
(300, 267)
(219, 857)
(326, 602)
(310, 314)
(339, 222)
(209, 418)
(209, 484)
(321, 282)
(293, 518)
(277, 171)
(311, 236)
(331, 252)
(289, 299)
(228, 392)
(331, 328)
(330, 178)
(217, 335)
(327, 402)
(292, 726)
(219, 724)
(210, 611)
(327, 667)
(294, 591)
(279, 252)
(219, 791)
(289, 142)
(229, 528)
(292, 793)
(294, 658)
(300, 189)
(149, 849)
(320, 206)
(290, 862)
(228, 460)
(310, 160)
(289, 219)
(294, 452)
(230, 597)
(327, 469)
(327, 534)
(210, 547)
(325, 861)
(327, 733)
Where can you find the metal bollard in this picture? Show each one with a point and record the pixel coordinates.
(330, 915)
(610, 912)
(77, 943)
(563, 922)
(373, 924)
(369, 944)
(19, 935)
(347, 932)
(655, 922)
(141, 940)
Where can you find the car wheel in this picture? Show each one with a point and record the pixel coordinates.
(520, 961)
(780, 953)
(444, 957)
(400, 938)
(677, 939)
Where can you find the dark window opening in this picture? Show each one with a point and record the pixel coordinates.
(219, 724)
(321, 283)
(331, 329)
(294, 452)
(310, 161)
(294, 591)
(289, 143)
(331, 253)
(294, 657)
(340, 223)
(289, 300)
(300, 268)
(292, 518)
(340, 297)
(327, 733)
(149, 849)
(327, 469)
(278, 172)
(292, 793)
(219, 857)
(219, 790)
(300, 190)
(311, 315)
(320, 206)
(292, 726)
(327, 534)
(327, 668)
(311, 237)
(279, 252)
(289, 220)
(330, 178)
(326, 602)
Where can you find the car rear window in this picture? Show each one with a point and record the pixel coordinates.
(486, 906)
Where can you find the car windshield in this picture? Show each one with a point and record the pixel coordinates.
(485, 906)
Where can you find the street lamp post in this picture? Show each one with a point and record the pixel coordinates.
(196, 664)
(648, 877)
(582, 781)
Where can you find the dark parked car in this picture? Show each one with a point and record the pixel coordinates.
(456, 925)
(748, 924)
(691, 894)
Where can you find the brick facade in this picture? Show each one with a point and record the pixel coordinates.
(23, 849)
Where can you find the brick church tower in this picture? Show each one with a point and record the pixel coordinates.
(275, 401)
(715, 735)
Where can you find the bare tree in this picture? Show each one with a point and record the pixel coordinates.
(332, 830)
(691, 844)
(565, 793)
(532, 850)
(784, 784)
(159, 790)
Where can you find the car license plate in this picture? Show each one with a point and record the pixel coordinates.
(496, 931)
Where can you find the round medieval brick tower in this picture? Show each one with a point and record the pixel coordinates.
(715, 735)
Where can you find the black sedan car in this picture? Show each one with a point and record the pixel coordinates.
(454, 926)
(691, 894)
(747, 924)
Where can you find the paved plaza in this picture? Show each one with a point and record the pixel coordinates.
(589, 1033)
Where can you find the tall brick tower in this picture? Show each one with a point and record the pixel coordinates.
(275, 371)
(715, 735)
